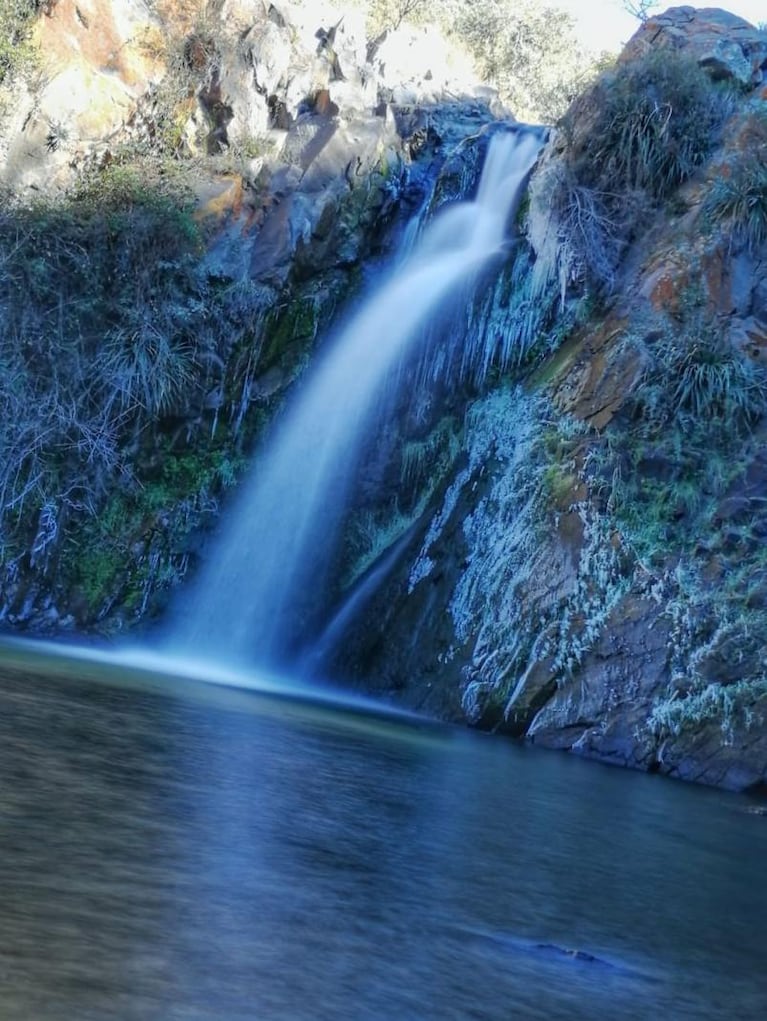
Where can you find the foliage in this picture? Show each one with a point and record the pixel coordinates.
(665, 470)
(731, 706)
(111, 337)
(529, 51)
(189, 59)
(697, 374)
(739, 200)
(193, 43)
(16, 18)
(639, 8)
(132, 547)
(385, 14)
(643, 129)
(425, 462)
(654, 124)
(82, 288)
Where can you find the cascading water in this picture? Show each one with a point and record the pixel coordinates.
(243, 605)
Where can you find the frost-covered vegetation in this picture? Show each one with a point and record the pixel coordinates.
(626, 143)
(112, 341)
(737, 201)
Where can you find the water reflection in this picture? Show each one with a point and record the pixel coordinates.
(163, 857)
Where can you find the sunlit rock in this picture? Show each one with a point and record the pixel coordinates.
(96, 62)
(727, 46)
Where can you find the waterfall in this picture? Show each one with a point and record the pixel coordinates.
(246, 603)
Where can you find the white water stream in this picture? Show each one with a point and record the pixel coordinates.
(243, 606)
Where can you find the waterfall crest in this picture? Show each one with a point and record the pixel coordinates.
(245, 604)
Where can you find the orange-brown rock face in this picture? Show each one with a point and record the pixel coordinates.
(96, 64)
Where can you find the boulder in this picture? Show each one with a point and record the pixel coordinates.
(727, 46)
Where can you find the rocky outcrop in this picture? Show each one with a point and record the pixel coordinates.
(274, 117)
(727, 46)
(575, 484)
(237, 80)
(259, 156)
(95, 68)
(590, 576)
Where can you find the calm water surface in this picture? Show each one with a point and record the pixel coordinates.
(220, 855)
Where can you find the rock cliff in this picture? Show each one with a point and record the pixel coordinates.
(591, 572)
(561, 536)
(194, 190)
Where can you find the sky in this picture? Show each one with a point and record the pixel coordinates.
(605, 25)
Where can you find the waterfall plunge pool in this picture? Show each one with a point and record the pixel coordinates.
(182, 842)
(178, 850)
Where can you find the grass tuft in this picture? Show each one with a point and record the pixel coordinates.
(642, 130)
(739, 201)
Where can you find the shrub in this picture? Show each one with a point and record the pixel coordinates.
(528, 51)
(739, 200)
(649, 124)
(96, 333)
(116, 350)
(578, 231)
(639, 132)
(666, 470)
(697, 374)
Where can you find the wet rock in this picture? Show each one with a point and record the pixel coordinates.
(323, 105)
(534, 689)
(601, 376)
(600, 711)
(733, 508)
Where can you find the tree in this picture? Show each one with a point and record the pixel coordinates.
(639, 8)
(528, 50)
(391, 13)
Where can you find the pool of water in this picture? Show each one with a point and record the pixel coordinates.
(174, 850)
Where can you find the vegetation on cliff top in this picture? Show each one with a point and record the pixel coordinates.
(625, 144)
(528, 50)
